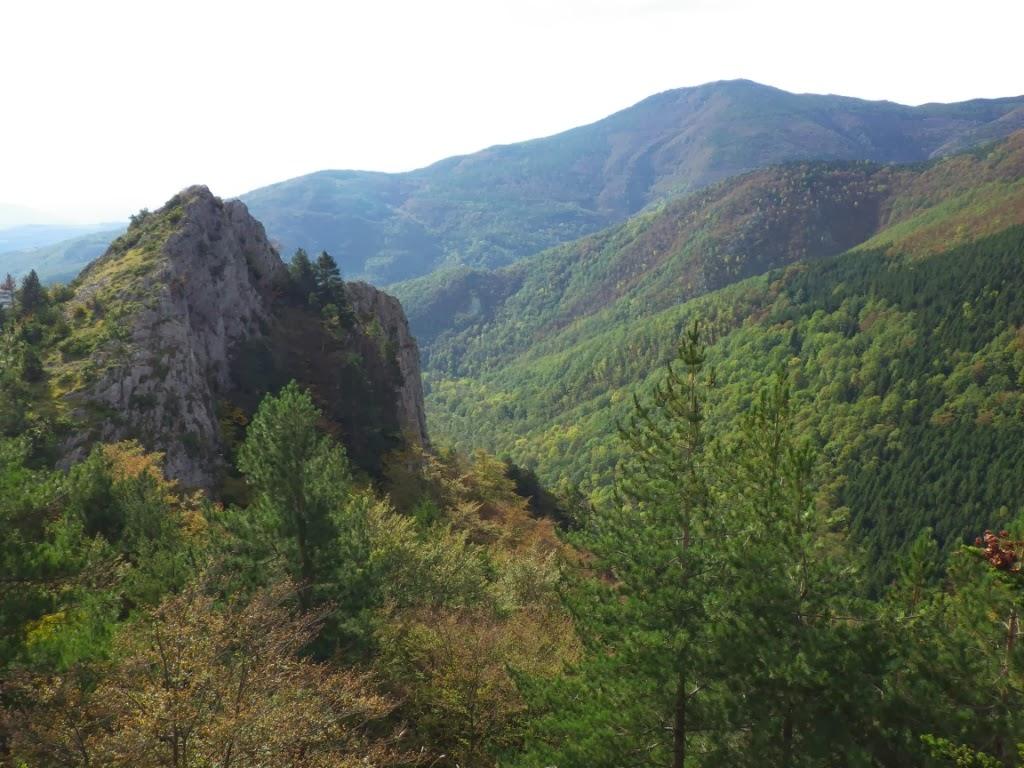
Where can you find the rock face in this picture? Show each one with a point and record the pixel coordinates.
(173, 303)
(369, 303)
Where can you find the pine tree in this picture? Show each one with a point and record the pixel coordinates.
(303, 276)
(328, 278)
(330, 291)
(31, 296)
(793, 646)
(645, 693)
(300, 478)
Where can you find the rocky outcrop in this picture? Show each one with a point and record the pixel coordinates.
(173, 305)
(370, 304)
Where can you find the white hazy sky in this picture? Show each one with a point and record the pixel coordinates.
(110, 106)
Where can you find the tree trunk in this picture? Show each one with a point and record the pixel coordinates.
(679, 730)
(305, 564)
(787, 740)
(1004, 750)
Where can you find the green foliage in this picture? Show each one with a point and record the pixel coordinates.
(727, 601)
(299, 479)
(30, 297)
(906, 375)
(302, 274)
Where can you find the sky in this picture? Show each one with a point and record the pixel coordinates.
(109, 106)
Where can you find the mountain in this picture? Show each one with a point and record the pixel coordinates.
(890, 295)
(496, 206)
(499, 205)
(470, 319)
(59, 261)
(38, 235)
(187, 320)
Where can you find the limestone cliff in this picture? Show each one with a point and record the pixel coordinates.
(187, 318)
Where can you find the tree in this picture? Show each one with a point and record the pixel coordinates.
(8, 283)
(197, 683)
(328, 278)
(303, 275)
(301, 480)
(648, 683)
(330, 290)
(721, 627)
(793, 646)
(31, 296)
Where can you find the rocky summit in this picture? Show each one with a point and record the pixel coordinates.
(167, 323)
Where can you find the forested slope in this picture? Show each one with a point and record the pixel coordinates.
(905, 352)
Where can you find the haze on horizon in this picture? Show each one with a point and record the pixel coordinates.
(112, 106)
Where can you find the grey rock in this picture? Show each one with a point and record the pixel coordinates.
(212, 287)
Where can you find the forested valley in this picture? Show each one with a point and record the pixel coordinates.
(711, 609)
(735, 482)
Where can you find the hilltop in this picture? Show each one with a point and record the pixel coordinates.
(174, 335)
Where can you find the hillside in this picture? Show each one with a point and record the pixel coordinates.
(468, 320)
(496, 206)
(61, 261)
(506, 202)
(537, 361)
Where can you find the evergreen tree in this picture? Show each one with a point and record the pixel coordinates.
(330, 291)
(301, 480)
(303, 276)
(31, 296)
(645, 694)
(329, 284)
(794, 648)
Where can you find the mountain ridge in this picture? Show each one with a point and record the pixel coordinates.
(493, 207)
(744, 226)
(504, 202)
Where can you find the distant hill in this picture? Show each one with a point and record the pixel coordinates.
(38, 235)
(61, 261)
(890, 295)
(494, 207)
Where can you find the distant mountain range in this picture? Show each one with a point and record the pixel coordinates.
(494, 207)
(58, 261)
(31, 236)
(21, 216)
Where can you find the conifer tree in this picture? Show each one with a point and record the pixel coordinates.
(328, 278)
(300, 478)
(648, 685)
(330, 291)
(31, 295)
(303, 276)
(793, 645)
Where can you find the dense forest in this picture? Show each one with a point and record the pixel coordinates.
(737, 482)
(710, 609)
(887, 295)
